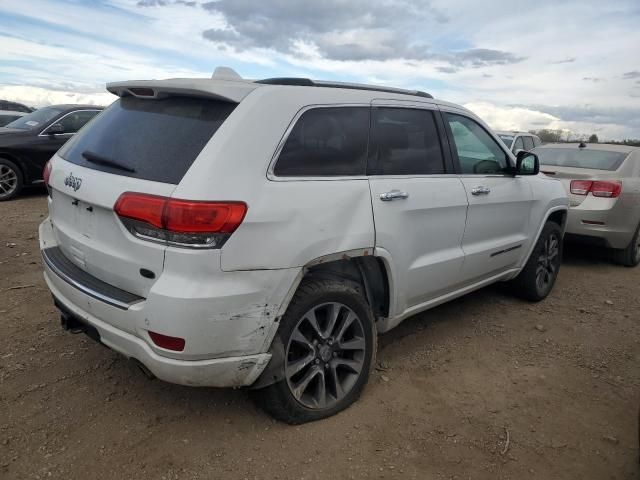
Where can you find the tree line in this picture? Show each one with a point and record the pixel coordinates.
(548, 135)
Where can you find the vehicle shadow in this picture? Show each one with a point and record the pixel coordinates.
(32, 191)
(443, 323)
(585, 255)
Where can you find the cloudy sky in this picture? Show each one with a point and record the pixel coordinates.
(570, 64)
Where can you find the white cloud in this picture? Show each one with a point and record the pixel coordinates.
(41, 97)
(525, 119)
(68, 46)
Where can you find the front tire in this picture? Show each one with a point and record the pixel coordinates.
(329, 340)
(630, 256)
(537, 278)
(11, 179)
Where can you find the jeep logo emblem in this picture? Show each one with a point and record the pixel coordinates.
(73, 182)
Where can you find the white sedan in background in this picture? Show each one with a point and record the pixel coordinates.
(603, 183)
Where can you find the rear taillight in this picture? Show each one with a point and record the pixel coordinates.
(183, 223)
(46, 174)
(608, 189)
(580, 187)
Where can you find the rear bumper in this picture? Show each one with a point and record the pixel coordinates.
(228, 319)
(605, 228)
(219, 372)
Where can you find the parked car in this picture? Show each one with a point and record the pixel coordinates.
(236, 233)
(14, 106)
(603, 182)
(8, 116)
(28, 142)
(516, 141)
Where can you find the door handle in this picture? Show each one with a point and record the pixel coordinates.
(392, 195)
(481, 190)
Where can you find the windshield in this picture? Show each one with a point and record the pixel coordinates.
(35, 119)
(580, 158)
(507, 139)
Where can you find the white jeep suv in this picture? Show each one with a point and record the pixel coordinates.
(230, 233)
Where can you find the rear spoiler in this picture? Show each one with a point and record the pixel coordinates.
(224, 90)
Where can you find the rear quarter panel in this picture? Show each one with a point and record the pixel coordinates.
(289, 223)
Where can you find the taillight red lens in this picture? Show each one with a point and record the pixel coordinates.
(165, 341)
(606, 189)
(142, 207)
(46, 173)
(599, 188)
(203, 217)
(179, 222)
(580, 187)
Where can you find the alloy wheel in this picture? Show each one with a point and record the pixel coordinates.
(548, 262)
(325, 355)
(8, 180)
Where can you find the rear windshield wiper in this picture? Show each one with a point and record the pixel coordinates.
(99, 159)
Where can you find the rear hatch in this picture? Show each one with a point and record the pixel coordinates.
(138, 144)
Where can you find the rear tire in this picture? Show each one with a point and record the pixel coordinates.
(11, 180)
(630, 256)
(537, 278)
(329, 340)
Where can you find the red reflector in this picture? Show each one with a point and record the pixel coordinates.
(164, 341)
(606, 189)
(184, 216)
(46, 173)
(580, 187)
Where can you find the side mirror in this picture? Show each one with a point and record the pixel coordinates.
(517, 151)
(527, 163)
(55, 129)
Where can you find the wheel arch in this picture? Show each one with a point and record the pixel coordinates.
(19, 163)
(359, 267)
(558, 215)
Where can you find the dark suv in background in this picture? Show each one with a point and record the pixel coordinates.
(28, 142)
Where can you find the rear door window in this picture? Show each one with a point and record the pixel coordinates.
(327, 141)
(404, 141)
(74, 121)
(518, 145)
(528, 142)
(150, 139)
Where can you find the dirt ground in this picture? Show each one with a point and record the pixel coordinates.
(485, 387)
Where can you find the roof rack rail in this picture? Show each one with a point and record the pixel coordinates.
(307, 82)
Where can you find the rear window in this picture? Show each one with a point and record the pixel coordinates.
(581, 158)
(405, 141)
(328, 141)
(154, 140)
